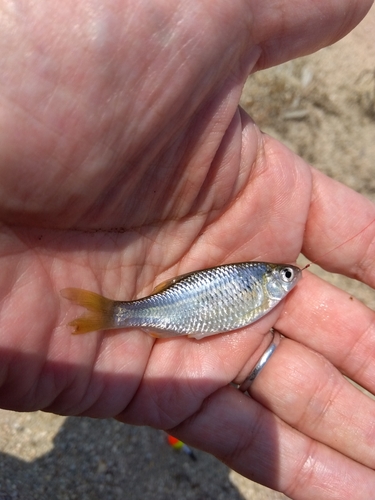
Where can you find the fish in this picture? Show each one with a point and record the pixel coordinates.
(197, 304)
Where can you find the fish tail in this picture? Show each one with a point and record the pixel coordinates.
(101, 315)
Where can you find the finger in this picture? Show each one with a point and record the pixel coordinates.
(313, 24)
(256, 443)
(333, 323)
(310, 394)
(340, 230)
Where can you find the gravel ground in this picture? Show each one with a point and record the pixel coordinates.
(323, 107)
(47, 456)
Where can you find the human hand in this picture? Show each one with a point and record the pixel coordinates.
(124, 161)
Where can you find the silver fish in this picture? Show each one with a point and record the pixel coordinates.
(197, 304)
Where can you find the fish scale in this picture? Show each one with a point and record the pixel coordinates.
(198, 304)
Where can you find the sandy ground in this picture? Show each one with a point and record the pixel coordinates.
(323, 107)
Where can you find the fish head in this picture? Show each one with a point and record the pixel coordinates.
(282, 279)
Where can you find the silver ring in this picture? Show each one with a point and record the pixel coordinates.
(262, 361)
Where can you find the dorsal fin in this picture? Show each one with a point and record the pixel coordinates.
(169, 282)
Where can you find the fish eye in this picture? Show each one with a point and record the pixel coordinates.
(287, 274)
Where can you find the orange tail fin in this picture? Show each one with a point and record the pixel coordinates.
(101, 310)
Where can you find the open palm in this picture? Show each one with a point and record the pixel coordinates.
(125, 160)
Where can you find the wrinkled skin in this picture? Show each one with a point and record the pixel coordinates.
(125, 160)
